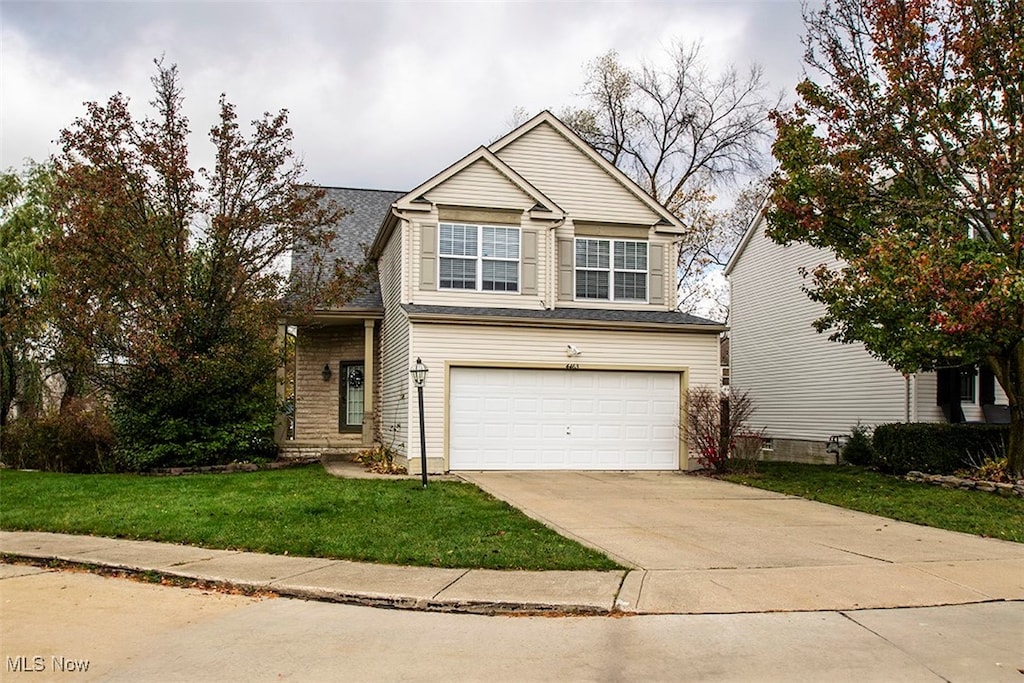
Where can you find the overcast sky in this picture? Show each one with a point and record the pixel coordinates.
(382, 95)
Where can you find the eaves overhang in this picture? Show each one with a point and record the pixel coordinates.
(327, 317)
(752, 227)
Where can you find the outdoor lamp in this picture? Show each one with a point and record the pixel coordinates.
(419, 378)
(326, 372)
(419, 373)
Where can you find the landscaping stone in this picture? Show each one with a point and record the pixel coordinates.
(953, 482)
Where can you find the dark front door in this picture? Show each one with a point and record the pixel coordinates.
(350, 414)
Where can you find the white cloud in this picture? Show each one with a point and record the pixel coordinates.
(380, 95)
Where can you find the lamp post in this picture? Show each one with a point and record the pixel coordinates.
(419, 378)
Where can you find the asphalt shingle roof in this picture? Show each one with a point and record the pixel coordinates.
(355, 233)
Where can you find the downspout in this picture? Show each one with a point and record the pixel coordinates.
(906, 398)
(551, 286)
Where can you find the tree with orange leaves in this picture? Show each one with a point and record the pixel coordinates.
(905, 156)
(170, 278)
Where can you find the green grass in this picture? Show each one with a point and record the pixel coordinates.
(299, 511)
(973, 512)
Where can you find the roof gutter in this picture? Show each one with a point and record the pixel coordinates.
(574, 323)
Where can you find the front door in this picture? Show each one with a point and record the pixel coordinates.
(350, 414)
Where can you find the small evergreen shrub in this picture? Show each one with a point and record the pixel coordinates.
(79, 439)
(935, 448)
(858, 449)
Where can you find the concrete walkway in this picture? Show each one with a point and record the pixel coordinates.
(700, 545)
(427, 588)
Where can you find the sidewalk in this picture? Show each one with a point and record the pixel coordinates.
(481, 591)
(484, 591)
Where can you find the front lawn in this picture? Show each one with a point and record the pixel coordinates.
(973, 512)
(299, 511)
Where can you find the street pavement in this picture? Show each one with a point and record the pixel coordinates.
(72, 625)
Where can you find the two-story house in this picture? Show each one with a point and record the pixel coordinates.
(537, 283)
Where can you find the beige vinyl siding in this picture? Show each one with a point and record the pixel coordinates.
(439, 344)
(579, 186)
(480, 184)
(449, 297)
(803, 385)
(394, 349)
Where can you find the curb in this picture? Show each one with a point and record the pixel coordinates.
(477, 607)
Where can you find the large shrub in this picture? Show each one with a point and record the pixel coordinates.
(78, 439)
(936, 448)
(208, 411)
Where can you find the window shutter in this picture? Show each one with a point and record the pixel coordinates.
(529, 261)
(428, 257)
(656, 274)
(566, 257)
(987, 386)
(943, 385)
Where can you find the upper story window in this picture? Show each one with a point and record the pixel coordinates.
(478, 257)
(611, 270)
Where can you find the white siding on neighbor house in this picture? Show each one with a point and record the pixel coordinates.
(575, 182)
(803, 385)
(927, 410)
(498, 346)
(480, 185)
(394, 349)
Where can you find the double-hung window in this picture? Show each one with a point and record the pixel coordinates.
(611, 270)
(478, 257)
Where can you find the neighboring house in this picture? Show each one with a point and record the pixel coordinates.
(806, 388)
(537, 283)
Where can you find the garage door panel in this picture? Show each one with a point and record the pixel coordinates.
(504, 418)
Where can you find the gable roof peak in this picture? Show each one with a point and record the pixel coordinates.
(666, 217)
(487, 156)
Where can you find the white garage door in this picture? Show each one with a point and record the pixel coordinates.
(512, 419)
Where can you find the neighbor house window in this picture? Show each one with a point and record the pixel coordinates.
(612, 270)
(968, 384)
(479, 257)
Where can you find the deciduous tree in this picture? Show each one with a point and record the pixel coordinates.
(172, 277)
(25, 222)
(682, 132)
(905, 157)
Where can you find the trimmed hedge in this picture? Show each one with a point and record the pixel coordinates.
(936, 448)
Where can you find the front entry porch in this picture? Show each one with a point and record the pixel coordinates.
(331, 386)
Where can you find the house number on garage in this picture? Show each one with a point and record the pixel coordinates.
(572, 366)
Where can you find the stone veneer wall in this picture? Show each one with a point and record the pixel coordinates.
(317, 401)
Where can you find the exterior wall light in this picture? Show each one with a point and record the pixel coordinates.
(419, 378)
(326, 372)
(419, 373)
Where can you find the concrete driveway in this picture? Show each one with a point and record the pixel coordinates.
(702, 545)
